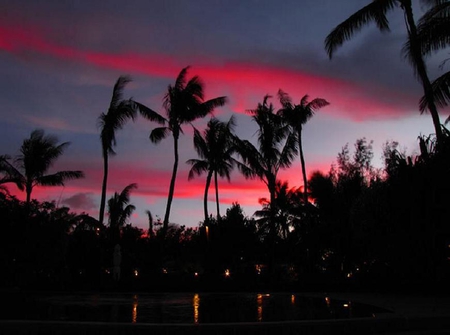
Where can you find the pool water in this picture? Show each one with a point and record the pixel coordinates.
(181, 308)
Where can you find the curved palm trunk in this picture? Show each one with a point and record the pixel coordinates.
(172, 184)
(104, 183)
(421, 69)
(302, 161)
(216, 185)
(205, 197)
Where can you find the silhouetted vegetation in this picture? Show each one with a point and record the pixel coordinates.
(355, 226)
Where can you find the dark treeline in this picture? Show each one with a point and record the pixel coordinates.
(361, 228)
(353, 227)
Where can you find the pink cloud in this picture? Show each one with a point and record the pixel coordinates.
(248, 82)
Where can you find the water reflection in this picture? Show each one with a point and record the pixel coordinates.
(183, 308)
(196, 304)
(259, 302)
(135, 306)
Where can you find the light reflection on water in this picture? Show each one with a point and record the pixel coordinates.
(196, 305)
(194, 308)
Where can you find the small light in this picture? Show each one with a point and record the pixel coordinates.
(345, 305)
(196, 274)
(136, 273)
(227, 273)
(164, 270)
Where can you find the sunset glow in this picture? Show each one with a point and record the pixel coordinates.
(59, 63)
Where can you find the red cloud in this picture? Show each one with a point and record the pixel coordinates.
(247, 82)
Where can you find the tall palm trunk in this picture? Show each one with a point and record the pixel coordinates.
(302, 161)
(272, 226)
(205, 197)
(28, 189)
(172, 183)
(421, 68)
(104, 183)
(216, 185)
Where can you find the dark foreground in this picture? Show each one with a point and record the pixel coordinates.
(411, 314)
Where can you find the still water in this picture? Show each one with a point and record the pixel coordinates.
(193, 308)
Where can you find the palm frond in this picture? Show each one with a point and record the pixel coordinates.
(208, 106)
(433, 29)
(373, 12)
(118, 89)
(159, 134)
(150, 114)
(317, 103)
(285, 99)
(289, 151)
(58, 178)
(441, 92)
(198, 167)
(180, 82)
(200, 145)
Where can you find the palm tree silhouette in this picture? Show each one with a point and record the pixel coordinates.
(215, 148)
(184, 103)
(277, 147)
(376, 11)
(297, 116)
(433, 31)
(289, 205)
(9, 174)
(37, 154)
(120, 210)
(119, 112)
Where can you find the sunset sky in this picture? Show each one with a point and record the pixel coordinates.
(59, 61)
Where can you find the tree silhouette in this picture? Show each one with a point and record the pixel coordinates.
(215, 148)
(151, 232)
(289, 207)
(37, 154)
(120, 210)
(118, 113)
(276, 148)
(297, 116)
(376, 11)
(433, 33)
(9, 174)
(184, 103)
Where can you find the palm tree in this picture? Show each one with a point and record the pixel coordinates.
(216, 148)
(376, 11)
(151, 232)
(37, 154)
(10, 174)
(289, 207)
(277, 147)
(433, 31)
(120, 210)
(184, 103)
(118, 113)
(297, 116)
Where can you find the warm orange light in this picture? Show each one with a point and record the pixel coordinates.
(135, 306)
(227, 272)
(259, 302)
(196, 305)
